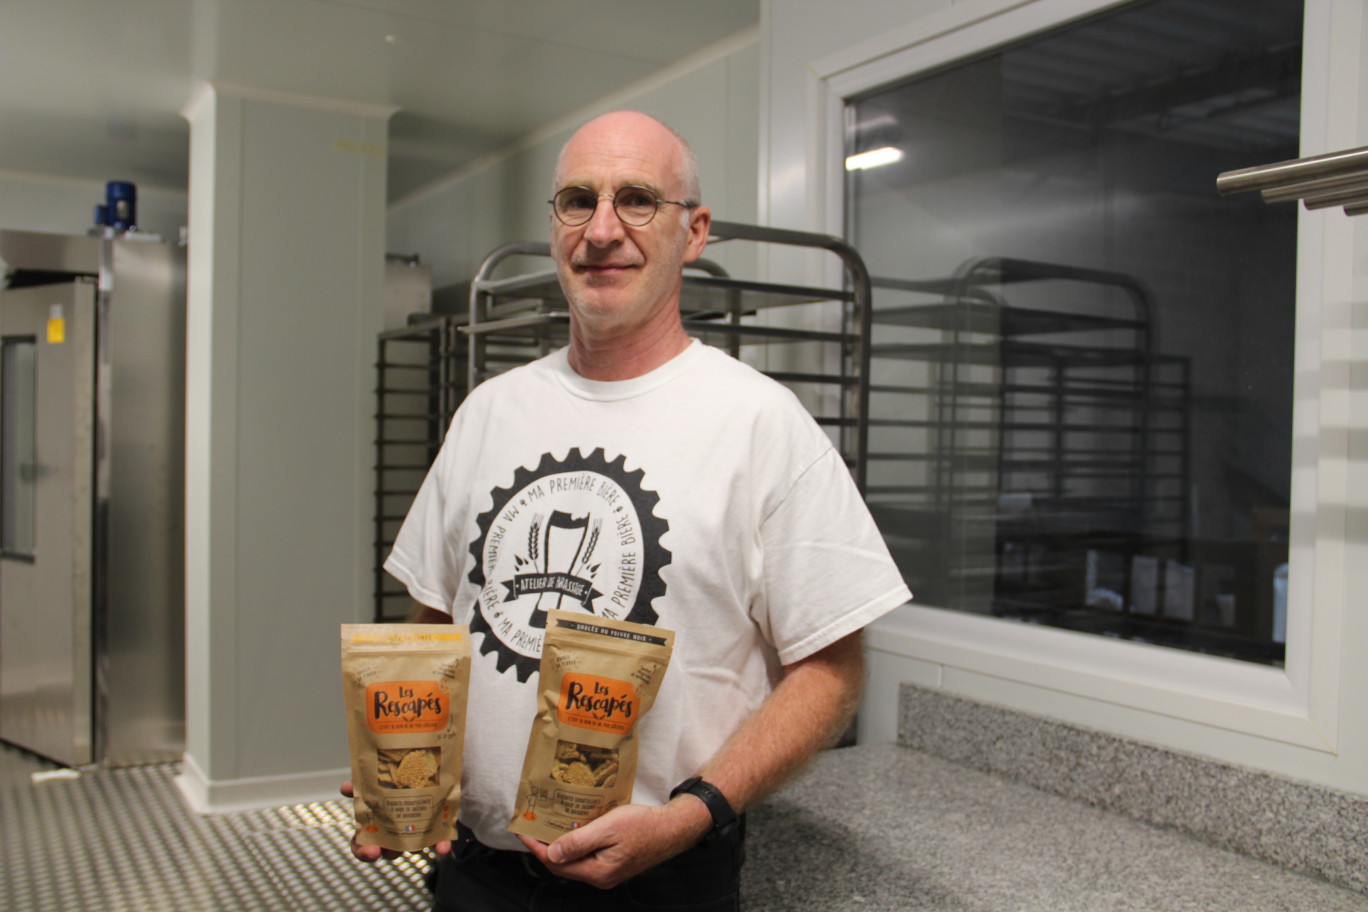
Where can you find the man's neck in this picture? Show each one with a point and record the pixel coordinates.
(625, 358)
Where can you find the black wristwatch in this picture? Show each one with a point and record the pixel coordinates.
(724, 818)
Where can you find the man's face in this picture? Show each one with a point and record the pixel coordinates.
(619, 279)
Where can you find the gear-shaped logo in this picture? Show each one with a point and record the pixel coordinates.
(578, 533)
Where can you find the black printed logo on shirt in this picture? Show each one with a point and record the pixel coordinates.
(578, 533)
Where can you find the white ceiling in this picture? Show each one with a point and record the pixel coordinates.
(94, 88)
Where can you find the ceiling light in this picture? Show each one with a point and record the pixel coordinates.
(874, 158)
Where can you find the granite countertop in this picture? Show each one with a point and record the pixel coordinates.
(884, 827)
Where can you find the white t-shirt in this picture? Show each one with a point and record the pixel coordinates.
(701, 497)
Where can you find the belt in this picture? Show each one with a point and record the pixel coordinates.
(468, 847)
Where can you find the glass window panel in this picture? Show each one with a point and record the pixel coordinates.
(1081, 408)
(17, 429)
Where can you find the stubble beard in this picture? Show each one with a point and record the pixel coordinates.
(613, 307)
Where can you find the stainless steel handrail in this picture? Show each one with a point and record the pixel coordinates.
(1319, 181)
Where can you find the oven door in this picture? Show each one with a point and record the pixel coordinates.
(47, 460)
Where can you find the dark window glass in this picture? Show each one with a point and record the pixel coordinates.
(1083, 357)
(17, 427)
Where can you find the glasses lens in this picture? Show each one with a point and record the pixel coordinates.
(575, 205)
(635, 205)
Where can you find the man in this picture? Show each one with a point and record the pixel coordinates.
(712, 505)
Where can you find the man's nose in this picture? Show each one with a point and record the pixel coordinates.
(604, 227)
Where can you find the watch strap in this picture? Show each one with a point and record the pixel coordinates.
(724, 818)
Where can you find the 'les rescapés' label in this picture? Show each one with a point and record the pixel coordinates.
(600, 704)
(406, 706)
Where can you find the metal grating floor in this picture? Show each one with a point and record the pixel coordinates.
(122, 840)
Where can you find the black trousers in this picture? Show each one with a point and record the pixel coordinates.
(476, 878)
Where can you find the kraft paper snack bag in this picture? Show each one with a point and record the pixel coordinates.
(598, 678)
(405, 687)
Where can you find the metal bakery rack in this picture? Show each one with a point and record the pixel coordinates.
(1026, 435)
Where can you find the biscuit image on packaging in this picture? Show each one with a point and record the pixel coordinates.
(409, 768)
(584, 764)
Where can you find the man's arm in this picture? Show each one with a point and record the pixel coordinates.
(808, 710)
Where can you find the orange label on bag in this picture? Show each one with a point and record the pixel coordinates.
(600, 704)
(406, 706)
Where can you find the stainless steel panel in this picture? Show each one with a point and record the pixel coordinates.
(35, 250)
(139, 609)
(45, 607)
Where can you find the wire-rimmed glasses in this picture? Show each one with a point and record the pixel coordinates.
(635, 206)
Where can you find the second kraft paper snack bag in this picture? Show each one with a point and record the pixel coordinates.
(598, 678)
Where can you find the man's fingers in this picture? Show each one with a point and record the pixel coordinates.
(372, 853)
(366, 853)
(581, 843)
(564, 850)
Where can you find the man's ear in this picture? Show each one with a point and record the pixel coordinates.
(700, 222)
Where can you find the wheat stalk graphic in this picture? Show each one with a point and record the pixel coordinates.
(589, 548)
(532, 550)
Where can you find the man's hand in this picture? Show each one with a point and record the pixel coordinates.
(624, 842)
(374, 852)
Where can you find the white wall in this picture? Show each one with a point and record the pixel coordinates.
(284, 302)
(1307, 721)
(709, 98)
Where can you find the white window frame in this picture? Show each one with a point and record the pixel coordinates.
(1295, 705)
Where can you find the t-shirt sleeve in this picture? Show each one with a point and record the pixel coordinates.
(827, 570)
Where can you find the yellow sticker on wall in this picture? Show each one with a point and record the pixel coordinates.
(56, 325)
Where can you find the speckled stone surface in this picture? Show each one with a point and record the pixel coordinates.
(885, 827)
(1304, 827)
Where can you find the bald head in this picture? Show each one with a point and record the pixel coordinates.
(617, 129)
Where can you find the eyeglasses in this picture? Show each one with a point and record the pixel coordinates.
(635, 206)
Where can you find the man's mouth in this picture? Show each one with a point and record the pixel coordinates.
(603, 273)
(604, 267)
